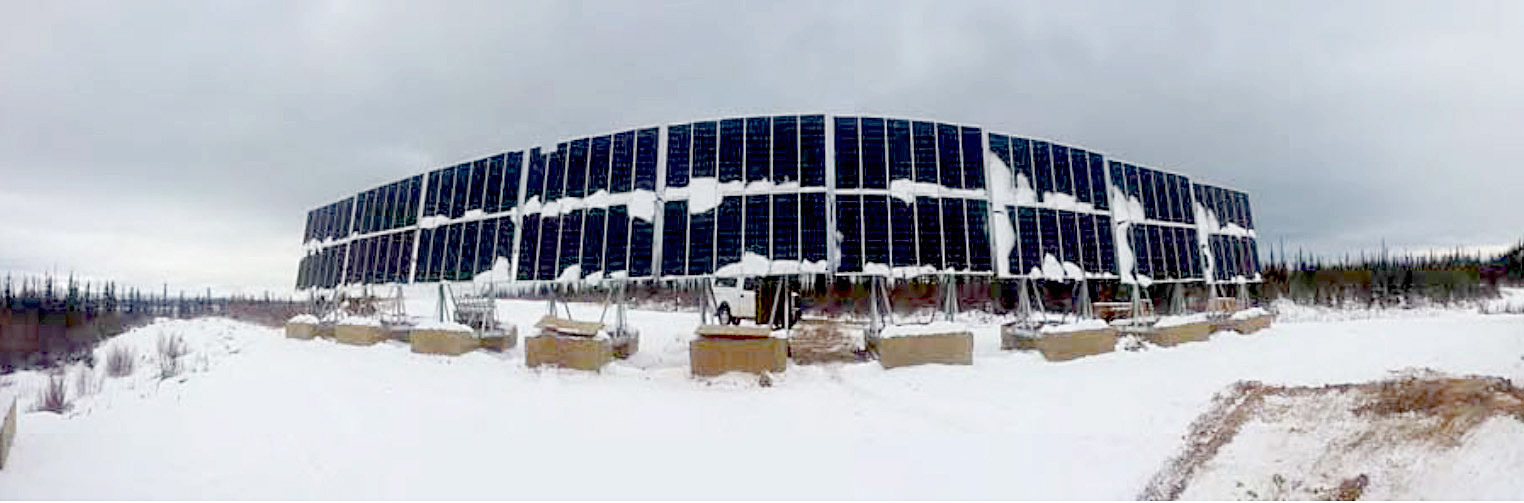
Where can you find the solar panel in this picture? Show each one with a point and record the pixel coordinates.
(925, 143)
(1079, 166)
(578, 178)
(785, 149)
(875, 167)
(701, 242)
(1068, 233)
(732, 140)
(593, 242)
(973, 158)
(903, 233)
(812, 228)
(1063, 179)
(979, 253)
(529, 246)
(728, 232)
(759, 136)
(616, 250)
(674, 242)
(875, 210)
(812, 151)
(954, 235)
(678, 148)
(758, 225)
(645, 159)
(900, 153)
(928, 214)
(847, 157)
(642, 241)
(599, 157)
(1042, 167)
(949, 156)
(621, 173)
(849, 225)
(785, 226)
(570, 250)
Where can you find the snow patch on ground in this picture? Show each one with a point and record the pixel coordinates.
(933, 328)
(257, 415)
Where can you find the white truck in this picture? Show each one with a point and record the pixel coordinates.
(736, 299)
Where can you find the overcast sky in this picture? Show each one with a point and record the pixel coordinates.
(183, 142)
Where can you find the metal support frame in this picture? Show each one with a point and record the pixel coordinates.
(949, 290)
(1083, 309)
(1177, 298)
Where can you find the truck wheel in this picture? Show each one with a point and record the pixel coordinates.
(722, 315)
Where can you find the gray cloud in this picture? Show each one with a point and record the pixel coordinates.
(183, 141)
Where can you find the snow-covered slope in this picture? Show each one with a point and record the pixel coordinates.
(256, 415)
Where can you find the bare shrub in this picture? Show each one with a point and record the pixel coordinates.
(120, 361)
(54, 396)
(84, 382)
(171, 348)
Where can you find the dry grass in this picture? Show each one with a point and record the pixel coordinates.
(1443, 409)
(170, 348)
(120, 361)
(54, 395)
(1458, 404)
(85, 382)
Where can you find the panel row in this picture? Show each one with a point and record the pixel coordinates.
(611, 242)
(1165, 252)
(872, 152)
(1165, 196)
(615, 164)
(1234, 257)
(386, 258)
(1050, 167)
(323, 269)
(389, 206)
(460, 251)
(490, 185)
(943, 234)
(1229, 206)
(329, 222)
(783, 149)
(778, 227)
(1079, 238)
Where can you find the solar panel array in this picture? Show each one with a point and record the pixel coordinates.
(745, 196)
(329, 222)
(589, 207)
(1229, 225)
(785, 194)
(1057, 209)
(911, 197)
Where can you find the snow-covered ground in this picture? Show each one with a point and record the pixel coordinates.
(257, 416)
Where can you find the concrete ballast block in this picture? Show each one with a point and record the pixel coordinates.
(956, 348)
(573, 352)
(1179, 334)
(359, 335)
(443, 342)
(1063, 346)
(712, 356)
(305, 331)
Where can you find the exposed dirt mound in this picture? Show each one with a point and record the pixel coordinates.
(1333, 442)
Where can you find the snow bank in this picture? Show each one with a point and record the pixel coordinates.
(933, 328)
(1008, 427)
(1181, 319)
(1253, 312)
(359, 321)
(303, 319)
(1078, 326)
(446, 326)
